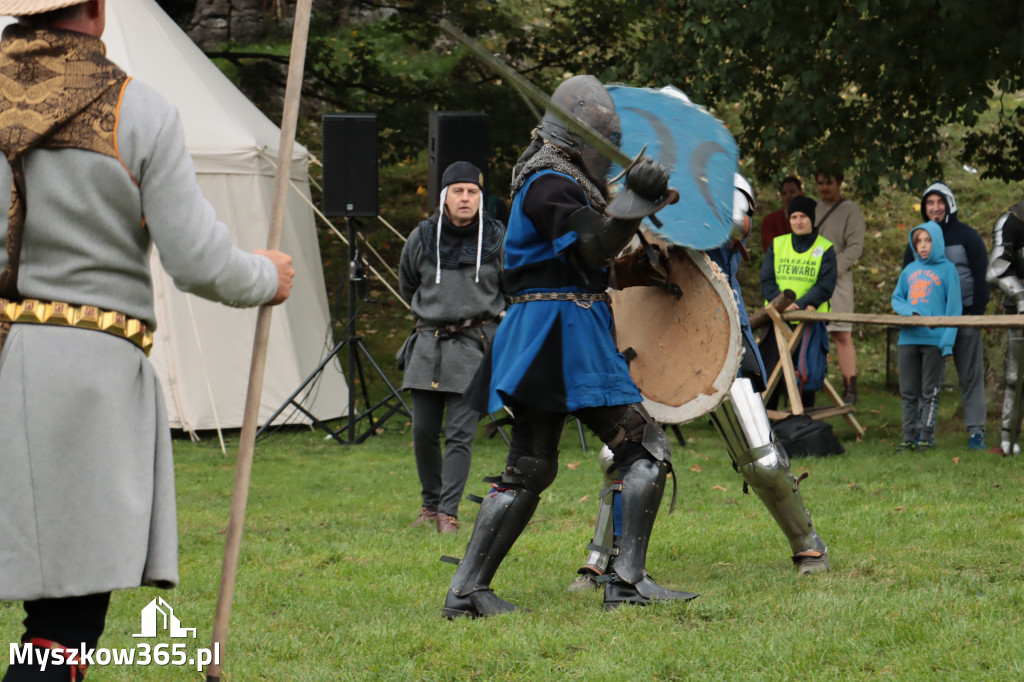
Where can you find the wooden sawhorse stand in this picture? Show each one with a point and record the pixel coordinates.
(787, 340)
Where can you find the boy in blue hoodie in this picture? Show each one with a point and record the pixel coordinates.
(927, 286)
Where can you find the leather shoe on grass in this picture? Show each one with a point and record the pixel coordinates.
(426, 516)
(446, 523)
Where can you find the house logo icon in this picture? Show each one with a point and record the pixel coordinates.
(160, 612)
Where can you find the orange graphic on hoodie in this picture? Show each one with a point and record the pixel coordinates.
(921, 286)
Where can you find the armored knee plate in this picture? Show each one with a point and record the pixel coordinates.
(532, 473)
(635, 435)
(764, 465)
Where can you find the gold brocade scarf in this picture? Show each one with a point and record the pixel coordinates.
(57, 91)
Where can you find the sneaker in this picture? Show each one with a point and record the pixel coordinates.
(977, 441)
(811, 561)
(1007, 450)
(925, 444)
(906, 446)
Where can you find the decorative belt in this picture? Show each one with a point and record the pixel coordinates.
(450, 329)
(583, 300)
(34, 311)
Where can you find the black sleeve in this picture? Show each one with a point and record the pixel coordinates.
(769, 287)
(977, 256)
(550, 201)
(908, 255)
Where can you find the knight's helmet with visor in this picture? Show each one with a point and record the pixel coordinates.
(587, 99)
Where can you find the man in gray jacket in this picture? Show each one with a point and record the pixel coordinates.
(966, 250)
(97, 174)
(451, 275)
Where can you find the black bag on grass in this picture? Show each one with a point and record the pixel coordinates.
(803, 436)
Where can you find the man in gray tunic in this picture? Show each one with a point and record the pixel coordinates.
(98, 174)
(451, 275)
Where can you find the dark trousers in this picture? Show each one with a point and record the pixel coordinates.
(69, 621)
(969, 358)
(921, 369)
(442, 479)
(536, 434)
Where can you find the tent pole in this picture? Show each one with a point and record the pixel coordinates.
(247, 438)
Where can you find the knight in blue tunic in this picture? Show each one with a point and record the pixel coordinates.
(554, 353)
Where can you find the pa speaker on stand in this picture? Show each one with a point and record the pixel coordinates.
(455, 136)
(350, 192)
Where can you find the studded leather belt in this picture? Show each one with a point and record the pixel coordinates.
(582, 299)
(34, 311)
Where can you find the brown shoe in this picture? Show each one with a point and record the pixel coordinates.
(426, 516)
(446, 523)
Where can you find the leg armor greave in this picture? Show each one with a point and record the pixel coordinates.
(1012, 408)
(764, 464)
(629, 435)
(643, 485)
(604, 529)
(503, 516)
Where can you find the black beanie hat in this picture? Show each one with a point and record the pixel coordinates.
(462, 171)
(802, 204)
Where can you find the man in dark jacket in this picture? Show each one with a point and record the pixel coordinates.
(966, 250)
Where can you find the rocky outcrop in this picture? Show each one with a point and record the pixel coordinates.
(220, 21)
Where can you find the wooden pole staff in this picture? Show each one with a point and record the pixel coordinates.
(247, 438)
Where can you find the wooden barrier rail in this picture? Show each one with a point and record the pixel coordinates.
(893, 320)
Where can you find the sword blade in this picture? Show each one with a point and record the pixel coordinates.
(532, 92)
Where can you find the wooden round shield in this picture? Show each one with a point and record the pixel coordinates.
(685, 353)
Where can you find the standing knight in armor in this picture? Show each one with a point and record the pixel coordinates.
(1006, 271)
(554, 355)
(743, 423)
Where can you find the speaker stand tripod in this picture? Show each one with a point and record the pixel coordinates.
(392, 403)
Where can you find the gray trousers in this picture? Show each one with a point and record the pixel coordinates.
(442, 480)
(969, 358)
(920, 381)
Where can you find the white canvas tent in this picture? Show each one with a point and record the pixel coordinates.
(202, 350)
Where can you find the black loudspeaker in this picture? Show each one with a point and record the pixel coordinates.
(455, 136)
(350, 165)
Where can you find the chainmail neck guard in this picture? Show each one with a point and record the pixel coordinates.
(549, 157)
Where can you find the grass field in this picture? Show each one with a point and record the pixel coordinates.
(926, 579)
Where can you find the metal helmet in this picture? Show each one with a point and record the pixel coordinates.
(586, 99)
(742, 205)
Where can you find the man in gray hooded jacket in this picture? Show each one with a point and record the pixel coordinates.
(451, 274)
(966, 250)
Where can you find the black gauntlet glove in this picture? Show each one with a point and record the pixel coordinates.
(649, 179)
(646, 192)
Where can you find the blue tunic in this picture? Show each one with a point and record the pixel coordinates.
(554, 355)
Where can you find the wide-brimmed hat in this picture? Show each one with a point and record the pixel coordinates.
(20, 8)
